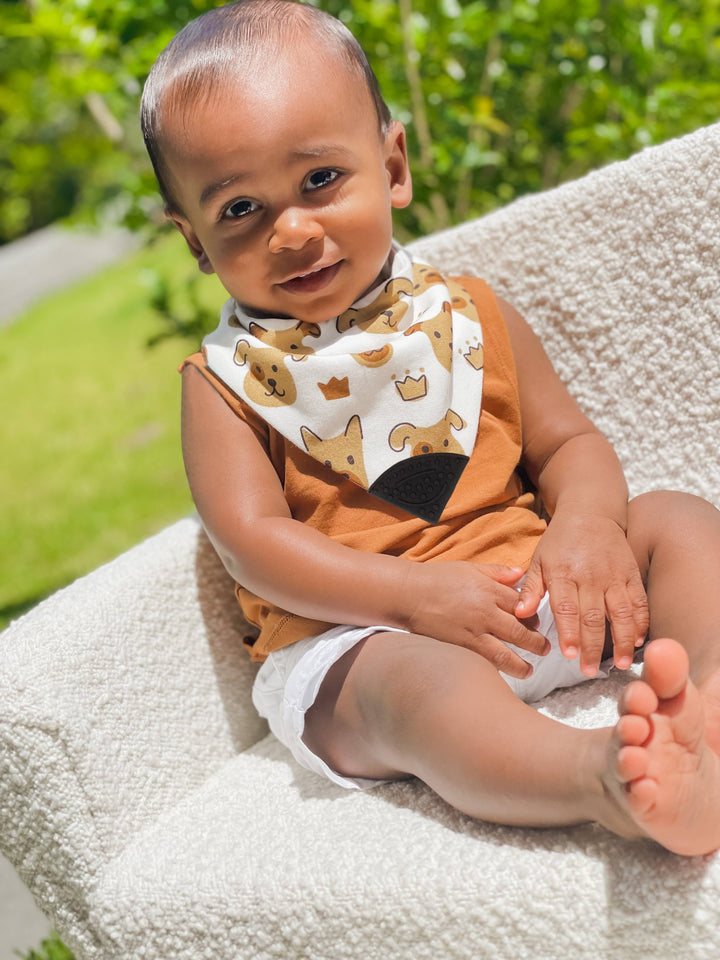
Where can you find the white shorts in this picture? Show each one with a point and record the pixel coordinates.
(289, 680)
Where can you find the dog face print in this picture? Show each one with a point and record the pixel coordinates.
(437, 438)
(383, 314)
(268, 381)
(438, 330)
(425, 275)
(343, 453)
(289, 341)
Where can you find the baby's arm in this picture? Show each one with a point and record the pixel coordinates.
(241, 501)
(583, 560)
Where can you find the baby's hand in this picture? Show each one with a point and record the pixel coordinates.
(586, 565)
(473, 606)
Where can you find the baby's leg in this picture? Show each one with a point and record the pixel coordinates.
(399, 705)
(404, 705)
(676, 540)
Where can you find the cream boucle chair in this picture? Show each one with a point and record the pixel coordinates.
(148, 809)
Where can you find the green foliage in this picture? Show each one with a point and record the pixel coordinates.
(180, 309)
(92, 460)
(71, 72)
(505, 97)
(51, 949)
(501, 97)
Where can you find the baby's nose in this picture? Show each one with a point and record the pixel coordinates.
(295, 227)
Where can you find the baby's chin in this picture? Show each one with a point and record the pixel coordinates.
(257, 313)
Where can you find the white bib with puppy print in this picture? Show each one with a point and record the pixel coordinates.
(387, 394)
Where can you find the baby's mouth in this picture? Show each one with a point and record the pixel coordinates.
(313, 281)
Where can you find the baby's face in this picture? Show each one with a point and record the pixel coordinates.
(287, 186)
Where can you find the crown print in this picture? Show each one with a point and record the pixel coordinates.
(475, 356)
(411, 388)
(335, 389)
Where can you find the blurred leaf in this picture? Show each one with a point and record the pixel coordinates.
(500, 97)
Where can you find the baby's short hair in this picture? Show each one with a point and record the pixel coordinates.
(209, 49)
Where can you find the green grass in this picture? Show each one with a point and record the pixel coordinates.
(51, 949)
(89, 426)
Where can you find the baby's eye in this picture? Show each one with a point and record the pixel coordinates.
(321, 178)
(239, 209)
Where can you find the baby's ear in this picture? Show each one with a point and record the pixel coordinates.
(192, 241)
(397, 166)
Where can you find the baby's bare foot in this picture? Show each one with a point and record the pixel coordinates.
(710, 693)
(662, 770)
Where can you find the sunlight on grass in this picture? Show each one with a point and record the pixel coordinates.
(51, 949)
(90, 426)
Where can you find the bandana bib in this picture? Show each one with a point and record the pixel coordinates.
(388, 394)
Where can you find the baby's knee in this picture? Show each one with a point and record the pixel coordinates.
(401, 680)
(369, 699)
(668, 504)
(663, 514)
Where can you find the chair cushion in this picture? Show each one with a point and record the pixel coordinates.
(267, 861)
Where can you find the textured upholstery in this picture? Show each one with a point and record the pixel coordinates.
(153, 816)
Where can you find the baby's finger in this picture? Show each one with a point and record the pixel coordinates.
(639, 600)
(509, 629)
(501, 656)
(621, 614)
(531, 592)
(500, 573)
(592, 629)
(505, 599)
(566, 611)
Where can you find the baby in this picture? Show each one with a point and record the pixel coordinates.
(355, 434)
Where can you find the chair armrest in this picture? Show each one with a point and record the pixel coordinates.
(118, 696)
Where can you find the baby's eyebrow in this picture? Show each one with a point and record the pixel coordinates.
(320, 150)
(213, 188)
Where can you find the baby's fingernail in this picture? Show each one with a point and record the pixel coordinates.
(623, 663)
(589, 670)
(571, 652)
